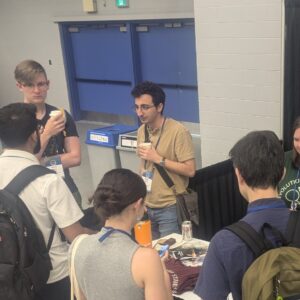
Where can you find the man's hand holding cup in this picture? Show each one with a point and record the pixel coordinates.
(56, 122)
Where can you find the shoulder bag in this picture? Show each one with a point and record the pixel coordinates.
(186, 203)
(75, 289)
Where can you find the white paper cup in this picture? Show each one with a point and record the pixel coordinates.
(145, 145)
(55, 113)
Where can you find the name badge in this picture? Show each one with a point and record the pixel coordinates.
(147, 177)
(54, 163)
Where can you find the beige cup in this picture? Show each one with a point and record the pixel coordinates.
(145, 145)
(59, 112)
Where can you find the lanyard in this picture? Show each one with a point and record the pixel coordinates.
(110, 230)
(147, 139)
(276, 204)
(294, 203)
(162, 129)
(52, 147)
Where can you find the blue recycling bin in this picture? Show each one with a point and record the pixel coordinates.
(103, 154)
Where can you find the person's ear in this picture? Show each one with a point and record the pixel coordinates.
(33, 136)
(283, 173)
(32, 139)
(239, 177)
(139, 208)
(159, 107)
(138, 203)
(19, 86)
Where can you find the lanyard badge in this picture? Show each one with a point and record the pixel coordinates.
(147, 177)
(54, 163)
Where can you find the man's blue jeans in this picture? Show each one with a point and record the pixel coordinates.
(163, 221)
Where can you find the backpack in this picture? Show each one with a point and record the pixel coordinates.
(24, 259)
(275, 271)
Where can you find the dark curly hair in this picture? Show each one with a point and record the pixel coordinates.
(152, 89)
(117, 189)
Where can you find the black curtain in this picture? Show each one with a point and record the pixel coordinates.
(291, 69)
(219, 199)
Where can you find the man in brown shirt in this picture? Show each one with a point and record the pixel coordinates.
(171, 147)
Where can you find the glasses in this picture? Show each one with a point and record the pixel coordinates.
(40, 85)
(143, 107)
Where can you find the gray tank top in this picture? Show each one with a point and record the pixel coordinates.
(103, 269)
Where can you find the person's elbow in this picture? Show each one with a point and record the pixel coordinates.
(74, 159)
(189, 172)
(192, 172)
(72, 231)
(77, 160)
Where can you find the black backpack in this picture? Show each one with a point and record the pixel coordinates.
(24, 259)
(275, 272)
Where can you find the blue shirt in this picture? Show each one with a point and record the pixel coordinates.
(228, 257)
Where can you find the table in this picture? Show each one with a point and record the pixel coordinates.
(178, 237)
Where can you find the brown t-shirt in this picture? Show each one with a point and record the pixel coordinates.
(175, 144)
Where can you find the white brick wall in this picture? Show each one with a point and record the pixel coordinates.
(239, 44)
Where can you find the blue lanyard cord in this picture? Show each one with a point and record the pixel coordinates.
(294, 203)
(110, 230)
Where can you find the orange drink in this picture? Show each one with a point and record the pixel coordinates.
(142, 233)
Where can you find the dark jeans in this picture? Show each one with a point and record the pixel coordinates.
(59, 290)
(163, 221)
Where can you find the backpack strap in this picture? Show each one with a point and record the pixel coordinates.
(255, 241)
(279, 239)
(51, 236)
(161, 170)
(293, 229)
(24, 178)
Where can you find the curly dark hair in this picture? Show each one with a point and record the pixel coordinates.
(152, 89)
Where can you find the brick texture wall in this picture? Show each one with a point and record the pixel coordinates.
(239, 60)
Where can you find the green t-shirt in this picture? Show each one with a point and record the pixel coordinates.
(289, 186)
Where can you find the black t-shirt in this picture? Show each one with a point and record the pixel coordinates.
(56, 143)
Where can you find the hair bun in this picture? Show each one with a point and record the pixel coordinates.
(117, 189)
(108, 199)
